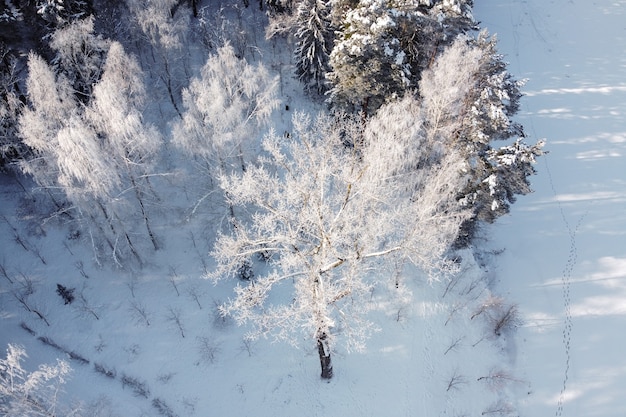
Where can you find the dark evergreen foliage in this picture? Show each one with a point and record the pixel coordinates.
(58, 13)
(12, 149)
(67, 294)
(314, 35)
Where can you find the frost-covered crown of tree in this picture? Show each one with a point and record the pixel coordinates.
(325, 211)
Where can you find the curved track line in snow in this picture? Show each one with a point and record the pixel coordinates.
(566, 280)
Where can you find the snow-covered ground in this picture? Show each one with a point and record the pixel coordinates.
(564, 264)
(565, 258)
(149, 342)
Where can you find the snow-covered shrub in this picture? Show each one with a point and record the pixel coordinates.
(104, 370)
(162, 408)
(500, 316)
(139, 388)
(220, 319)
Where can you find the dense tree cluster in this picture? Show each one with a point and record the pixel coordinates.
(12, 148)
(402, 164)
(369, 52)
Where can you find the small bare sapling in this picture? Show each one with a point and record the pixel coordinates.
(195, 294)
(81, 269)
(22, 295)
(499, 408)
(133, 352)
(454, 345)
(132, 284)
(4, 273)
(456, 380)
(99, 347)
(190, 405)
(139, 312)
(165, 378)
(207, 349)
(500, 315)
(83, 305)
(247, 343)
(173, 316)
(173, 278)
(497, 379)
(199, 252)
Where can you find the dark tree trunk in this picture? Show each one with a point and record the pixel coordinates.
(144, 214)
(324, 352)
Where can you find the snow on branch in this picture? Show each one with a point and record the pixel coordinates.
(327, 212)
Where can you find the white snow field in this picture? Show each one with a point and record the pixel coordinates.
(565, 245)
(149, 342)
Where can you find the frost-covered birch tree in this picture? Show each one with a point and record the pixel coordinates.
(164, 24)
(12, 148)
(67, 159)
(51, 105)
(80, 56)
(469, 99)
(31, 394)
(116, 115)
(99, 155)
(224, 110)
(327, 211)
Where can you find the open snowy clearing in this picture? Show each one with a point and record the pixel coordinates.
(136, 340)
(565, 261)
